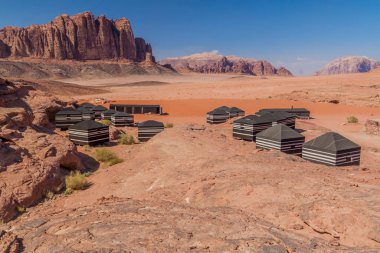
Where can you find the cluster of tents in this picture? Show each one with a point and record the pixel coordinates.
(85, 128)
(275, 129)
(223, 113)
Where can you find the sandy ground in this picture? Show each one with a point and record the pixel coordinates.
(317, 208)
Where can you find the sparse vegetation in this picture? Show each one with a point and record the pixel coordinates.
(126, 139)
(49, 195)
(75, 181)
(21, 209)
(352, 119)
(87, 148)
(107, 156)
(169, 125)
(105, 122)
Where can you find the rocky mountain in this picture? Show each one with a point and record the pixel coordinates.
(78, 37)
(349, 64)
(213, 62)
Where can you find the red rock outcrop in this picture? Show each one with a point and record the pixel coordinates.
(79, 37)
(32, 156)
(215, 63)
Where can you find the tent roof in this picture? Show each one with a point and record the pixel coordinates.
(235, 109)
(218, 111)
(225, 108)
(280, 132)
(68, 110)
(87, 125)
(264, 118)
(99, 108)
(85, 110)
(331, 142)
(110, 111)
(285, 109)
(87, 105)
(151, 123)
(122, 114)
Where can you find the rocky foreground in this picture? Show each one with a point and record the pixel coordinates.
(194, 188)
(33, 159)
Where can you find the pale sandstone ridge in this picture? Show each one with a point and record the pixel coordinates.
(33, 159)
(213, 62)
(349, 64)
(78, 37)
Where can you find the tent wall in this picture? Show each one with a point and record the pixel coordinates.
(349, 157)
(290, 146)
(146, 133)
(89, 137)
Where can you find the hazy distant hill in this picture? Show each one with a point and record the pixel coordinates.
(213, 62)
(349, 64)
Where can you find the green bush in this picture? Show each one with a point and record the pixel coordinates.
(21, 209)
(105, 122)
(169, 125)
(126, 139)
(352, 119)
(107, 156)
(75, 181)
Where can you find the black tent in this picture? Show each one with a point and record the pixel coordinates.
(280, 137)
(332, 149)
(247, 127)
(236, 112)
(89, 132)
(122, 119)
(67, 117)
(98, 111)
(108, 114)
(301, 113)
(87, 106)
(148, 129)
(217, 116)
(280, 117)
(87, 114)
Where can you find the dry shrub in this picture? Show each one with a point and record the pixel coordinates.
(126, 139)
(76, 181)
(169, 125)
(352, 119)
(107, 156)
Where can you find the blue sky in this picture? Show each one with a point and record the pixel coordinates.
(301, 35)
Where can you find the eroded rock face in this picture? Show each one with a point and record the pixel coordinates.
(216, 63)
(372, 126)
(32, 156)
(350, 64)
(79, 37)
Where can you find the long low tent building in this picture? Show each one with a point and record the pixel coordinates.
(148, 129)
(332, 149)
(247, 127)
(67, 117)
(89, 132)
(108, 114)
(217, 116)
(137, 109)
(236, 112)
(98, 111)
(121, 119)
(282, 138)
(301, 113)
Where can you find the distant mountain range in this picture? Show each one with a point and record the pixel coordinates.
(213, 62)
(349, 64)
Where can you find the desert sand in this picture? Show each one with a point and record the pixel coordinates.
(202, 190)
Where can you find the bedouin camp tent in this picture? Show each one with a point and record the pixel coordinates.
(122, 119)
(332, 149)
(89, 132)
(301, 113)
(67, 117)
(108, 114)
(280, 137)
(247, 127)
(87, 114)
(87, 106)
(217, 116)
(148, 129)
(98, 111)
(236, 112)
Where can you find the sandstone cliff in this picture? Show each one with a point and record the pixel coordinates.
(350, 64)
(79, 37)
(215, 63)
(32, 156)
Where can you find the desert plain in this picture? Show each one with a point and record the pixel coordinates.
(194, 188)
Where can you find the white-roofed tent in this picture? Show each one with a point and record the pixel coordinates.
(280, 137)
(332, 149)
